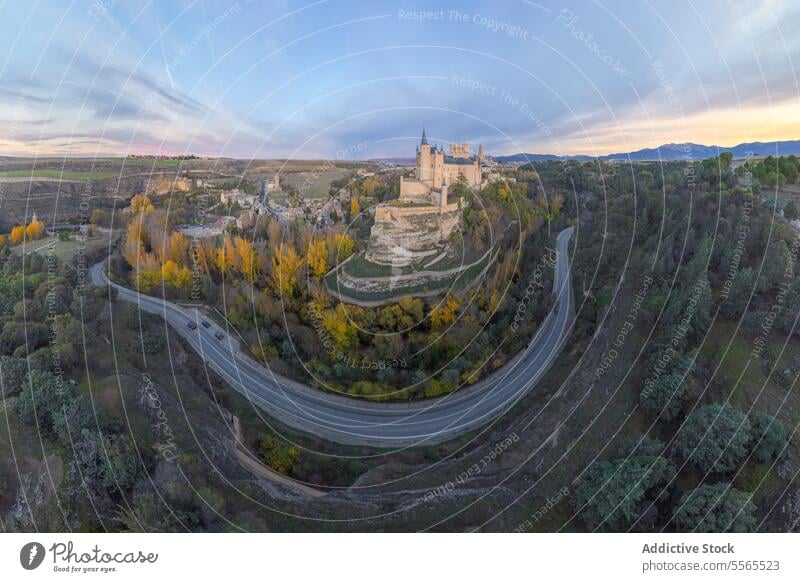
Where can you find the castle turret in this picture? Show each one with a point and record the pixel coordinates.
(424, 159)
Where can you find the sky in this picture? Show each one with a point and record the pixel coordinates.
(337, 79)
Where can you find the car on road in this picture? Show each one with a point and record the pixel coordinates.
(206, 324)
(192, 325)
(219, 335)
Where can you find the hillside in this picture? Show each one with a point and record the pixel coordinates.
(672, 152)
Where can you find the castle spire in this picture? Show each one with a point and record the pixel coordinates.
(424, 139)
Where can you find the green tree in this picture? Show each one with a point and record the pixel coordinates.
(715, 438)
(106, 461)
(769, 439)
(612, 494)
(715, 509)
(776, 262)
(735, 303)
(13, 372)
(278, 456)
(43, 399)
(664, 396)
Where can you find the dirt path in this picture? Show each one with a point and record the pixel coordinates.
(251, 462)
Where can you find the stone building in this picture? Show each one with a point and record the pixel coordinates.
(434, 168)
(417, 225)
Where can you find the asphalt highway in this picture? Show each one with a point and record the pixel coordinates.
(352, 421)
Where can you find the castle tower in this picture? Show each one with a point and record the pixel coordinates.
(438, 167)
(424, 161)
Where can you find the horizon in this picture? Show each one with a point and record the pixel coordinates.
(100, 155)
(305, 81)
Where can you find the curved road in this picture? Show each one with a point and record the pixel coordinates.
(383, 424)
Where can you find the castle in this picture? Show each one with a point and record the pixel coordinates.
(416, 225)
(435, 171)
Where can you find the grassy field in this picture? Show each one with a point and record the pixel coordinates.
(65, 175)
(64, 250)
(314, 184)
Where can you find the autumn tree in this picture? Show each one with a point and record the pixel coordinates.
(285, 265)
(226, 256)
(318, 257)
(246, 259)
(34, 230)
(355, 207)
(17, 235)
(147, 280)
(340, 327)
(175, 276)
(178, 248)
(141, 203)
(344, 246)
(445, 313)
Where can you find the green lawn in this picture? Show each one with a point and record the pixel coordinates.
(456, 283)
(361, 267)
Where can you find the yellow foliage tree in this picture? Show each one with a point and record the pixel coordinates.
(504, 192)
(147, 280)
(17, 235)
(355, 207)
(246, 259)
(34, 230)
(318, 257)
(226, 256)
(445, 313)
(141, 203)
(176, 276)
(285, 265)
(3, 240)
(340, 327)
(203, 255)
(134, 245)
(178, 248)
(344, 246)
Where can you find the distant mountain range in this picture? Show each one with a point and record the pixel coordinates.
(673, 151)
